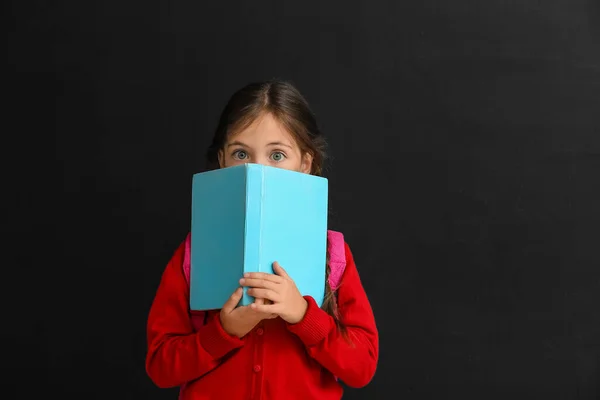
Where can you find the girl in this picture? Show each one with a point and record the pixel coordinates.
(283, 346)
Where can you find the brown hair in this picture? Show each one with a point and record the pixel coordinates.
(286, 104)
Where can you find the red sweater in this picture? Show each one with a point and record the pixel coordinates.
(276, 360)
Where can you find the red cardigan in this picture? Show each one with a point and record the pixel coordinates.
(276, 360)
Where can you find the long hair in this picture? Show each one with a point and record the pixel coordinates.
(287, 105)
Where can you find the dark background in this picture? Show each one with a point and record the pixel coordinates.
(465, 174)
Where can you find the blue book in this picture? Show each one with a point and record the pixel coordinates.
(246, 217)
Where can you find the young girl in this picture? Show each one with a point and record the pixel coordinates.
(283, 346)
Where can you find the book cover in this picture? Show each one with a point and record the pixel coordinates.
(248, 216)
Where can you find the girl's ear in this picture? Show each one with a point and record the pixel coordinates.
(307, 160)
(221, 157)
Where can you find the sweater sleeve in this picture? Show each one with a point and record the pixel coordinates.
(176, 353)
(353, 359)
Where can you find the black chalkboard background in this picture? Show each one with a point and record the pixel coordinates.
(465, 175)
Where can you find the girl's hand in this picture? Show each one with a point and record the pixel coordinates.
(238, 321)
(280, 289)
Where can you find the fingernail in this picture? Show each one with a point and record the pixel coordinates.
(242, 281)
(246, 275)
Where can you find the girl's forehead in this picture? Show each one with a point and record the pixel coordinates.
(262, 131)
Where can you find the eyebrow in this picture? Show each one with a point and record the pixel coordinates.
(237, 143)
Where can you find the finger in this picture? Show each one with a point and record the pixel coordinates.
(266, 294)
(259, 283)
(263, 275)
(278, 269)
(265, 308)
(233, 300)
(259, 300)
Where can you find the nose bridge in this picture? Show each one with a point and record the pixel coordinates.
(261, 159)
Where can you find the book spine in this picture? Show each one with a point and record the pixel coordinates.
(252, 234)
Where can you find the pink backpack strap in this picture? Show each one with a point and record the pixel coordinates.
(337, 258)
(336, 246)
(198, 318)
(186, 257)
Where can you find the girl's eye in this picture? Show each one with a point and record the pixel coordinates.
(277, 156)
(240, 155)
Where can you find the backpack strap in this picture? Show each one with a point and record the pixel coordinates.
(335, 247)
(198, 318)
(186, 257)
(337, 258)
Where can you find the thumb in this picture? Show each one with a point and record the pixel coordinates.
(278, 269)
(233, 300)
